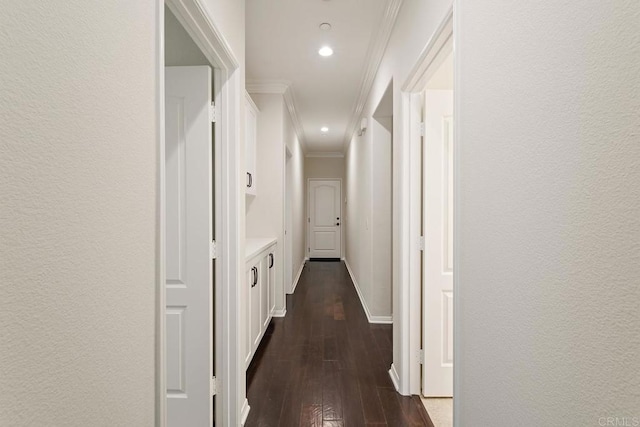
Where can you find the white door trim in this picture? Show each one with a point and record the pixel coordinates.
(408, 318)
(229, 371)
(308, 233)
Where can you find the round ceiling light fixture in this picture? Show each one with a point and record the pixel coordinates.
(325, 51)
(325, 26)
(324, 129)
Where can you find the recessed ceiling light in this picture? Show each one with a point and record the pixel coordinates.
(324, 129)
(325, 51)
(325, 26)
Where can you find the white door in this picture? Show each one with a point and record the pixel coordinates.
(437, 276)
(324, 219)
(189, 286)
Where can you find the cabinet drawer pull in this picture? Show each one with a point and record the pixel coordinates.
(254, 270)
(270, 260)
(250, 183)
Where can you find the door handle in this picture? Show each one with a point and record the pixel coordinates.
(250, 183)
(270, 260)
(254, 270)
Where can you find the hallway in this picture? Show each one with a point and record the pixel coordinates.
(324, 364)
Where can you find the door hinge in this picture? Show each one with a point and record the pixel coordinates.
(214, 250)
(308, 249)
(214, 386)
(212, 112)
(421, 128)
(421, 243)
(308, 219)
(421, 356)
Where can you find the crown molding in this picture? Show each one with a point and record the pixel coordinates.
(284, 88)
(290, 101)
(267, 86)
(375, 54)
(325, 154)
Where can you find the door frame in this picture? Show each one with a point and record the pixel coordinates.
(308, 233)
(430, 59)
(227, 84)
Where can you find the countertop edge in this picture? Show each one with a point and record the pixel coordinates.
(253, 246)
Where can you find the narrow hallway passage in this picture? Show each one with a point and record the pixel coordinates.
(324, 364)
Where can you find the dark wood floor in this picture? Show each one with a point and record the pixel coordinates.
(324, 364)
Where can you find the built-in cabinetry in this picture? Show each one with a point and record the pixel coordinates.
(260, 292)
(250, 136)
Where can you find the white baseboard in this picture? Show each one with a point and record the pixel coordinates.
(279, 313)
(395, 379)
(244, 412)
(387, 320)
(295, 282)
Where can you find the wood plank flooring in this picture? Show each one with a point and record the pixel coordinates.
(324, 364)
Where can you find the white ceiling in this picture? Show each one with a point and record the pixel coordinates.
(282, 42)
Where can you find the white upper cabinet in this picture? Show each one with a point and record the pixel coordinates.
(251, 132)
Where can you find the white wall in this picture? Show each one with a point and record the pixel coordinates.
(325, 167)
(297, 196)
(381, 225)
(265, 211)
(368, 214)
(549, 212)
(358, 215)
(78, 217)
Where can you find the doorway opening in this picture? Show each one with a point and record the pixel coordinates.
(382, 200)
(198, 229)
(437, 256)
(288, 222)
(428, 97)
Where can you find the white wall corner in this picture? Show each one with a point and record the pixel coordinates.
(325, 154)
(385, 320)
(393, 374)
(284, 88)
(279, 313)
(297, 279)
(244, 412)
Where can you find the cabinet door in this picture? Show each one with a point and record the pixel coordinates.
(251, 134)
(272, 284)
(248, 343)
(256, 324)
(264, 292)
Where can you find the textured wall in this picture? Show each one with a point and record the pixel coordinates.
(78, 212)
(548, 326)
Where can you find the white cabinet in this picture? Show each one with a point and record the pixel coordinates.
(251, 140)
(272, 283)
(260, 293)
